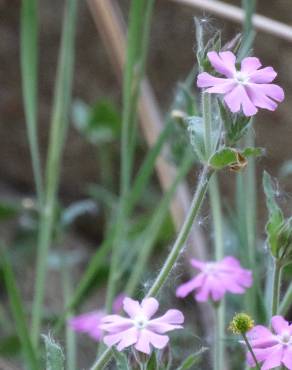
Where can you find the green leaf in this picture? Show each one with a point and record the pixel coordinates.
(10, 346)
(197, 135)
(252, 152)
(18, 313)
(223, 158)
(54, 354)
(8, 211)
(276, 219)
(99, 124)
(121, 360)
(77, 209)
(192, 360)
(152, 363)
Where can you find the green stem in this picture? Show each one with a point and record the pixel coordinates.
(206, 107)
(70, 334)
(286, 302)
(175, 251)
(59, 124)
(217, 217)
(218, 354)
(251, 351)
(138, 37)
(29, 75)
(276, 287)
(184, 232)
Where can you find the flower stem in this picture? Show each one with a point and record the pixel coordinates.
(184, 232)
(276, 287)
(250, 350)
(206, 107)
(174, 253)
(218, 359)
(286, 302)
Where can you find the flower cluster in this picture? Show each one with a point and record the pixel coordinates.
(215, 279)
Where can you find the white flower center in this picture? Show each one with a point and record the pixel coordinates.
(285, 338)
(241, 77)
(210, 268)
(140, 322)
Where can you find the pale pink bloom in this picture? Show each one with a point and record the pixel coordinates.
(89, 322)
(248, 88)
(215, 279)
(272, 349)
(139, 329)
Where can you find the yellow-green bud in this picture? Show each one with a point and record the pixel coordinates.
(241, 323)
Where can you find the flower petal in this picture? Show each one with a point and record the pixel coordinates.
(264, 75)
(224, 62)
(250, 64)
(115, 323)
(128, 338)
(85, 322)
(158, 341)
(279, 324)
(169, 321)
(274, 359)
(186, 288)
(237, 98)
(215, 84)
(131, 307)
(143, 342)
(149, 306)
(287, 358)
(200, 265)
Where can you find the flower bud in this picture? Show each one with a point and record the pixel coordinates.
(241, 323)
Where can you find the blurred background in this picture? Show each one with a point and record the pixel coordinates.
(172, 56)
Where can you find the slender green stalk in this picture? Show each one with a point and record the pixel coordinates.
(219, 322)
(206, 107)
(59, 124)
(70, 334)
(29, 75)
(217, 218)
(18, 314)
(184, 232)
(138, 37)
(277, 272)
(175, 251)
(250, 350)
(218, 353)
(286, 302)
(152, 231)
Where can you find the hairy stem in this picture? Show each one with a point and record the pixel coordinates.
(175, 251)
(277, 272)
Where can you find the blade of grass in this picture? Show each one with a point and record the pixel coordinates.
(137, 48)
(70, 334)
(18, 313)
(29, 73)
(138, 40)
(59, 125)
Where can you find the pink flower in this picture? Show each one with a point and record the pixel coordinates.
(89, 322)
(139, 329)
(248, 88)
(215, 279)
(272, 349)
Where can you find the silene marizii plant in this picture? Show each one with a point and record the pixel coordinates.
(233, 91)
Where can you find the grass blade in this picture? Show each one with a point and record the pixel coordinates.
(59, 125)
(18, 313)
(29, 73)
